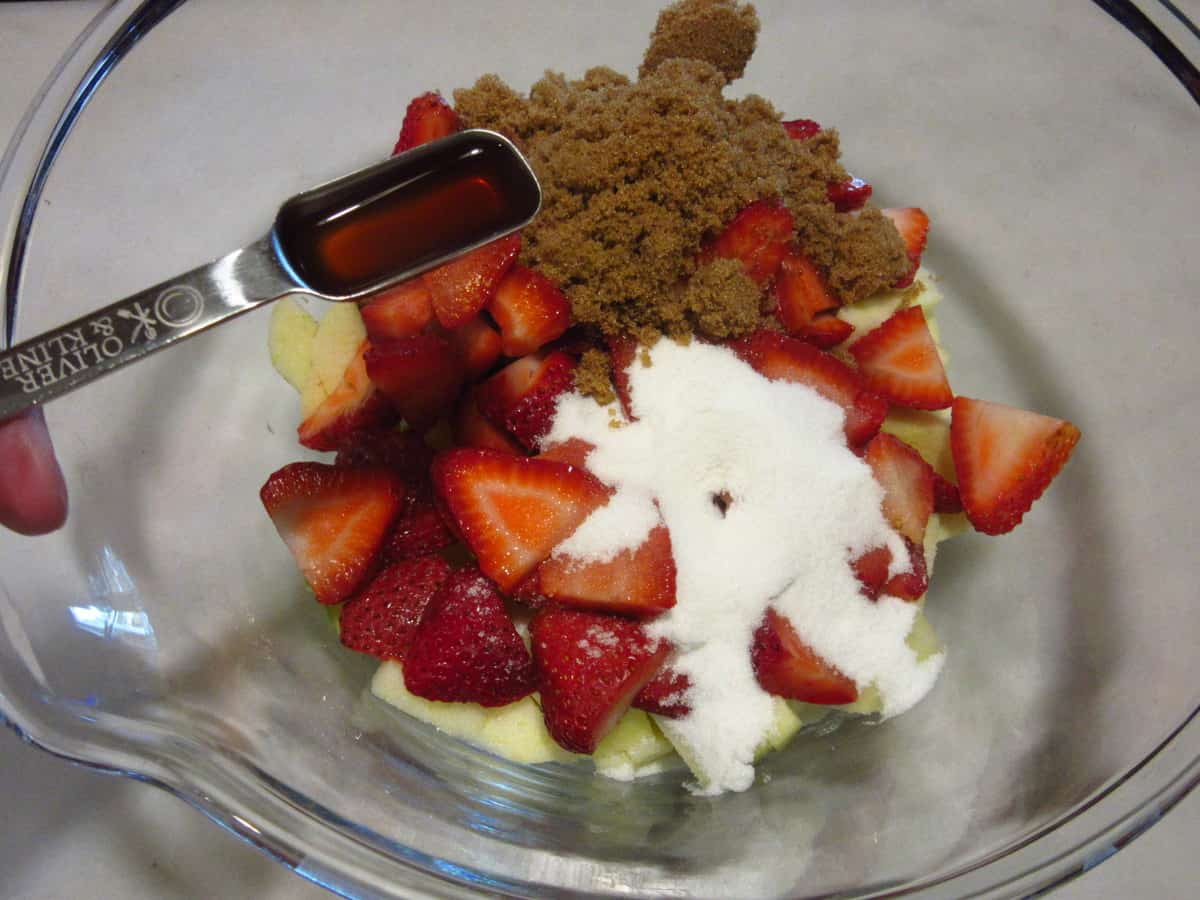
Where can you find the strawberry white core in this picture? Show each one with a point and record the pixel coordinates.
(800, 506)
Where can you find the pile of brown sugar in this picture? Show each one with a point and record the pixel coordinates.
(637, 175)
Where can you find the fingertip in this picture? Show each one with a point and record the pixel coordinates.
(33, 494)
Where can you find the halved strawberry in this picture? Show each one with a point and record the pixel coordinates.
(530, 311)
(590, 666)
(1005, 458)
(427, 118)
(913, 584)
(513, 510)
(573, 451)
(353, 407)
(622, 351)
(848, 195)
(758, 237)
(636, 582)
(381, 619)
(334, 521)
(826, 331)
(466, 648)
(907, 482)
(665, 694)
(801, 129)
(801, 290)
(779, 357)
(899, 361)
(473, 429)
(404, 452)
(421, 375)
(946, 498)
(523, 396)
(871, 570)
(399, 312)
(913, 225)
(477, 344)
(463, 286)
(787, 667)
(419, 531)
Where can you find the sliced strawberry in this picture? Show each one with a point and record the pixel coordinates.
(913, 225)
(478, 346)
(333, 521)
(636, 582)
(757, 237)
(907, 482)
(913, 584)
(576, 341)
(782, 358)
(427, 118)
(801, 129)
(665, 694)
(848, 195)
(523, 396)
(801, 292)
(622, 351)
(466, 648)
(900, 362)
(590, 666)
(788, 667)
(463, 286)
(573, 451)
(945, 496)
(381, 619)
(473, 429)
(826, 331)
(512, 510)
(1005, 458)
(420, 531)
(530, 311)
(421, 375)
(871, 569)
(404, 452)
(354, 406)
(399, 312)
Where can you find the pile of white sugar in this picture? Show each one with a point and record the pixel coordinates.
(801, 506)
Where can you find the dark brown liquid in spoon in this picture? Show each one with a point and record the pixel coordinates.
(361, 231)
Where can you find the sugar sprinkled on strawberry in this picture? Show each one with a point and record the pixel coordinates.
(666, 694)
(382, 618)
(788, 667)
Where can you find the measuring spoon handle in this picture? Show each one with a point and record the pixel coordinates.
(59, 361)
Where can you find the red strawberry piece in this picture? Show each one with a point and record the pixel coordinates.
(787, 667)
(421, 375)
(871, 569)
(782, 358)
(399, 312)
(826, 331)
(801, 129)
(576, 341)
(945, 495)
(334, 521)
(623, 350)
(382, 618)
(523, 396)
(636, 582)
(419, 531)
(913, 584)
(848, 195)
(758, 237)
(913, 225)
(907, 482)
(1005, 458)
(801, 290)
(513, 510)
(573, 451)
(427, 118)
(463, 286)
(466, 648)
(473, 429)
(354, 406)
(590, 666)
(404, 452)
(899, 361)
(478, 346)
(530, 311)
(665, 694)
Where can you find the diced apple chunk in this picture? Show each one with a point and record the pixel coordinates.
(338, 336)
(290, 342)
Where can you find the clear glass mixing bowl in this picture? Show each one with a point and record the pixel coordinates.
(162, 632)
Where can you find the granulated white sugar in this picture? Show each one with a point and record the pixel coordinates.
(801, 506)
(622, 523)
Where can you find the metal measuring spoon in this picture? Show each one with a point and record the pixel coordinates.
(339, 241)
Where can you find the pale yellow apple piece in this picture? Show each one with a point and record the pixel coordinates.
(463, 720)
(290, 341)
(518, 732)
(635, 742)
(927, 432)
(312, 395)
(339, 335)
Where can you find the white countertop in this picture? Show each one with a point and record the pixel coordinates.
(68, 832)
